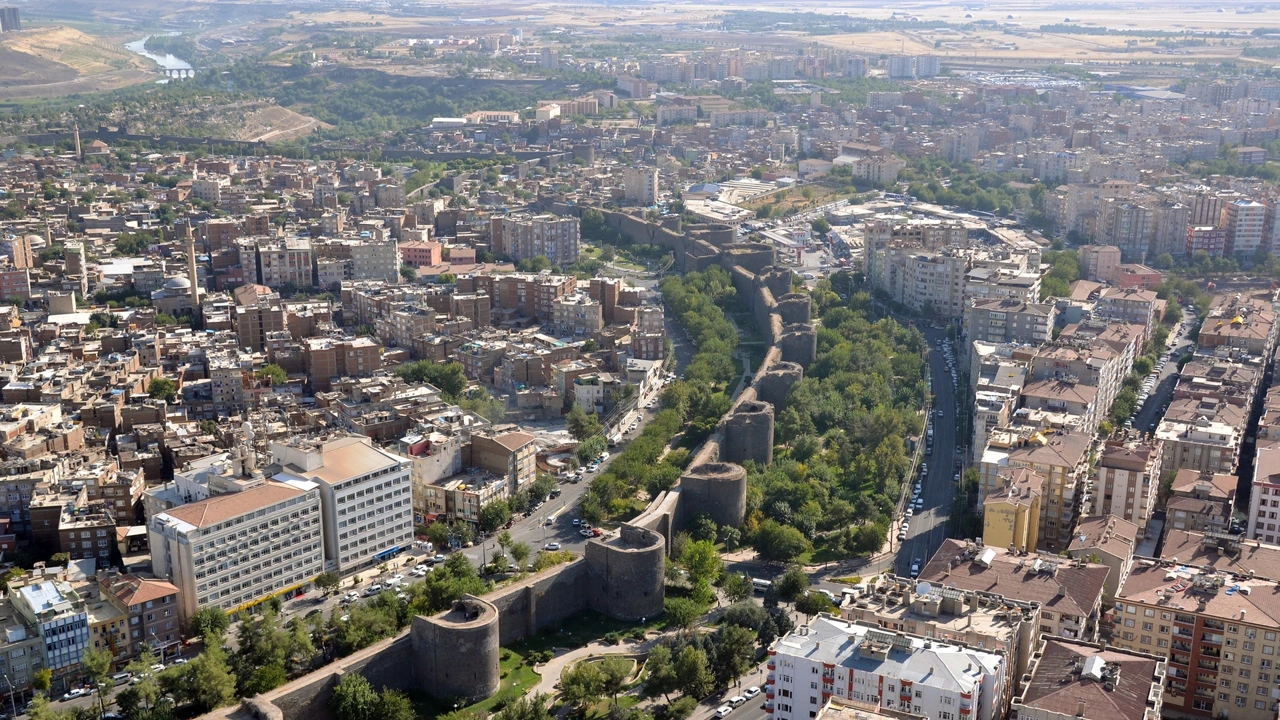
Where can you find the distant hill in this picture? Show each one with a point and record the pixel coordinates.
(63, 59)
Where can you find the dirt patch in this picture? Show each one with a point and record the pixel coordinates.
(94, 84)
(274, 123)
(23, 69)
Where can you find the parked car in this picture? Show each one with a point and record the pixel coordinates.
(723, 711)
(751, 692)
(736, 701)
(915, 568)
(553, 546)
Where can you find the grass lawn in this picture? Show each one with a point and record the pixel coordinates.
(581, 629)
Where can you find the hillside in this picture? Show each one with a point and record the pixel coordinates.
(59, 60)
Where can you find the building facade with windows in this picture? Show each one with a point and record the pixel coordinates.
(365, 493)
(832, 658)
(235, 550)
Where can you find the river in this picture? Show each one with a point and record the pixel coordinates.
(166, 61)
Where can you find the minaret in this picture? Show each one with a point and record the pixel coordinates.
(79, 155)
(191, 269)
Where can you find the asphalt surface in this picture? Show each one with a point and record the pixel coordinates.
(928, 527)
(1149, 415)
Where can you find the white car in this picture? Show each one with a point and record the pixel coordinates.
(723, 711)
(737, 701)
(751, 692)
(553, 546)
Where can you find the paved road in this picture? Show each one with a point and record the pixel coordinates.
(929, 526)
(1149, 415)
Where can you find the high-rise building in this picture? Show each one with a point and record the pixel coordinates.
(522, 236)
(10, 21)
(234, 550)
(640, 185)
(365, 496)
(59, 614)
(1245, 222)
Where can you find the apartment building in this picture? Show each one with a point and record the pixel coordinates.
(832, 658)
(21, 649)
(371, 260)
(281, 261)
(151, 609)
(523, 236)
(1241, 323)
(1098, 263)
(1127, 481)
(1204, 502)
(1264, 497)
(1011, 514)
(511, 455)
(1245, 223)
(1009, 320)
(1106, 540)
(577, 315)
(1212, 378)
(1208, 607)
(1130, 305)
(58, 614)
(985, 620)
(1069, 592)
(1202, 435)
(235, 550)
(366, 497)
(1206, 238)
(640, 184)
(1084, 681)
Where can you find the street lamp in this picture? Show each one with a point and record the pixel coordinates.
(12, 705)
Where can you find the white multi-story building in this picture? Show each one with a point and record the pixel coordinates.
(556, 238)
(234, 550)
(376, 261)
(1264, 499)
(59, 613)
(1246, 220)
(640, 185)
(365, 494)
(894, 671)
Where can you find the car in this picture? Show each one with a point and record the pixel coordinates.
(909, 512)
(597, 532)
(585, 532)
(397, 577)
(158, 667)
(902, 535)
(74, 693)
(553, 546)
(919, 503)
(438, 558)
(751, 692)
(938, 413)
(737, 701)
(345, 618)
(179, 661)
(915, 568)
(577, 522)
(121, 678)
(373, 590)
(723, 711)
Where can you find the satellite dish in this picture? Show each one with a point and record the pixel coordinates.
(924, 588)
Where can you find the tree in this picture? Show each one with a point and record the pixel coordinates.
(438, 534)
(494, 515)
(660, 669)
(591, 448)
(353, 698)
(702, 560)
(162, 388)
(580, 424)
(42, 679)
(681, 708)
(793, 584)
(704, 527)
(821, 226)
(736, 587)
(210, 621)
(520, 554)
(812, 603)
(582, 684)
(526, 708)
(694, 672)
(616, 672)
(746, 614)
(394, 705)
(274, 373)
(408, 273)
(779, 543)
(682, 612)
(735, 646)
(96, 663)
(328, 581)
(208, 681)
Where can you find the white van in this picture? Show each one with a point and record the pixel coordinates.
(760, 585)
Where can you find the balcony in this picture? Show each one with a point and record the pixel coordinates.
(1211, 638)
(1181, 646)
(1182, 633)
(1210, 651)
(1207, 665)
(1177, 659)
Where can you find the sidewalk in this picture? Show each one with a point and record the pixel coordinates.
(550, 671)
